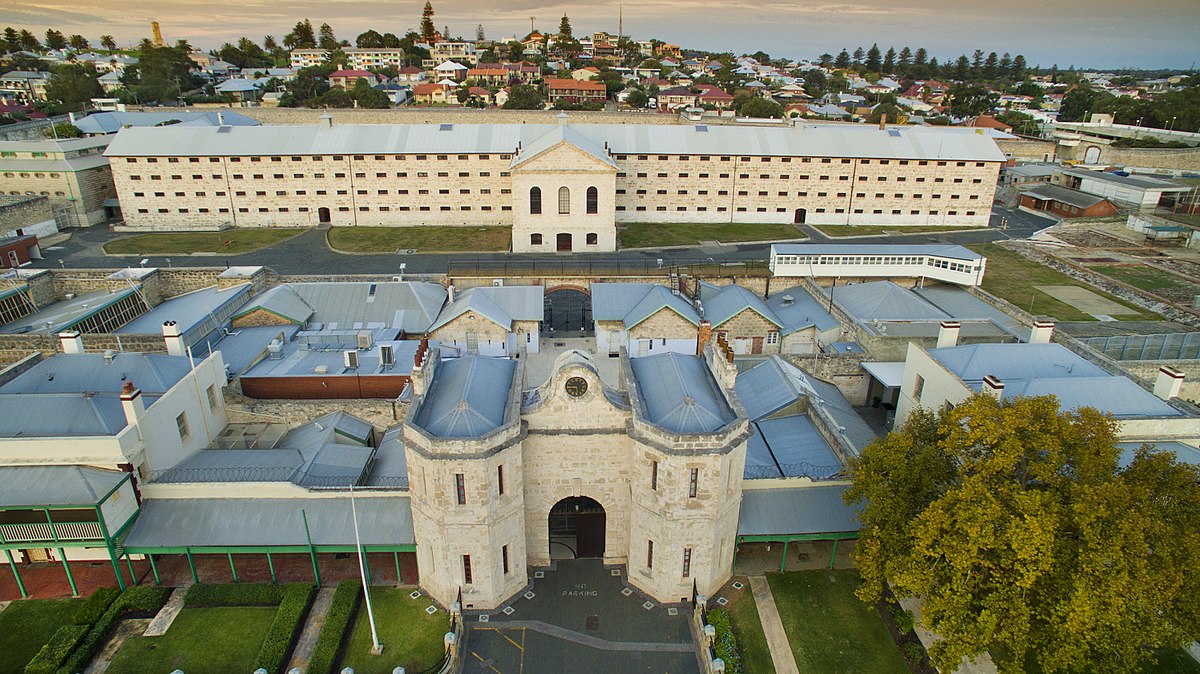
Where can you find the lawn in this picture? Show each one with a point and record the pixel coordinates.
(656, 235)
(411, 637)
(830, 629)
(26, 626)
(1013, 277)
(752, 643)
(876, 230)
(1146, 278)
(422, 239)
(230, 242)
(201, 640)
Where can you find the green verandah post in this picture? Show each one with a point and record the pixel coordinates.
(271, 566)
(12, 564)
(191, 565)
(70, 578)
(312, 551)
(231, 566)
(154, 568)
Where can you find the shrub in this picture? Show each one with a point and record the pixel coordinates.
(285, 628)
(94, 606)
(725, 643)
(904, 619)
(337, 624)
(57, 649)
(142, 599)
(913, 651)
(234, 594)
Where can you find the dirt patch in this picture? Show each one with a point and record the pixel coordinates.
(124, 631)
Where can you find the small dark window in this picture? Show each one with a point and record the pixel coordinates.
(535, 239)
(460, 489)
(593, 200)
(535, 201)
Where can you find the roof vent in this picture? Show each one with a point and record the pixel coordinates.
(223, 129)
(445, 127)
(702, 128)
(893, 133)
(788, 300)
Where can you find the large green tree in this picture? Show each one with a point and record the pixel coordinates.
(160, 74)
(72, 86)
(524, 97)
(55, 39)
(1017, 526)
(302, 36)
(969, 100)
(427, 29)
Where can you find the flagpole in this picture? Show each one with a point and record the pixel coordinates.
(376, 649)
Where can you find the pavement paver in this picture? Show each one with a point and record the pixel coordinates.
(777, 639)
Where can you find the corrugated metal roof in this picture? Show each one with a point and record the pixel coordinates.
(805, 140)
(800, 311)
(1063, 195)
(798, 447)
(1184, 453)
(283, 301)
(796, 511)
(562, 134)
(153, 373)
(468, 397)
(62, 315)
(502, 305)
(884, 301)
(936, 249)
(189, 310)
(111, 122)
(218, 522)
(962, 305)
(390, 468)
(1142, 182)
(731, 300)
(24, 415)
(632, 303)
(296, 361)
(35, 486)
(408, 306)
(680, 393)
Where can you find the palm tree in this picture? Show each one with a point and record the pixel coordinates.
(108, 42)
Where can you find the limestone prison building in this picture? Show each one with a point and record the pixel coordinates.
(561, 187)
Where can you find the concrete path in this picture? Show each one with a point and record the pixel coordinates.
(166, 615)
(126, 630)
(586, 639)
(981, 665)
(312, 628)
(768, 615)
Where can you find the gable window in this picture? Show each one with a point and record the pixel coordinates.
(535, 201)
(564, 200)
(593, 200)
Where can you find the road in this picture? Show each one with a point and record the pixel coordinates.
(308, 253)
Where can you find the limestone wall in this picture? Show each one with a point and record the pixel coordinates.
(24, 213)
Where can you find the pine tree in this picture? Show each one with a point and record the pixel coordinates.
(1018, 68)
(1005, 65)
(905, 59)
(842, 60)
(976, 62)
(858, 56)
(479, 33)
(874, 62)
(55, 39)
(962, 67)
(328, 40)
(990, 66)
(427, 29)
(889, 61)
(564, 29)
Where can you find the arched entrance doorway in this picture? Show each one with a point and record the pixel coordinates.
(801, 215)
(563, 242)
(323, 215)
(568, 313)
(1091, 155)
(576, 528)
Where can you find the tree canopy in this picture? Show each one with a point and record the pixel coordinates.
(72, 86)
(1017, 526)
(524, 97)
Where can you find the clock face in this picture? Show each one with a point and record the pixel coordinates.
(576, 387)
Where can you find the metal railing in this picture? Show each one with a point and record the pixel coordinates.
(606, 267)
(1171, 346)
(42, 532)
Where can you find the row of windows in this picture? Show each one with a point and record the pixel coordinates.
(31, 175)
(344, 209)
(564, 201)
(764, 209)
(687, 558)
(871, 260)
(315, 176)
(469, 572)
(593, 239)
(336, 157)
(802, 193)
(788, 160)
(805, 176)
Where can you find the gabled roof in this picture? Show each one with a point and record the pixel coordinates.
(797, 310)
(283, 301)
(558, 135)
(403, 305)
(722, 305)
(467, 398)
(152, 373)
(885, 301)
(796, 511)
(502, 305)
(632, 303)
(680, 394)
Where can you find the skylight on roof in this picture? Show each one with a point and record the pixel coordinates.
(445, 127)
(893, 133)
(223, 129)
(702, 128)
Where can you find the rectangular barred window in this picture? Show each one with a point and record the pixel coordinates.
(694, 483)
(460, 489)
(654, 475)
(687, 562)
(466, 562)
(649, 554)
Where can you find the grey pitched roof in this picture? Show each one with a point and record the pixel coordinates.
(722, 305)
(632, 303)
(65, 314)
(297, 361)
(23, 415)
(112, 122)
(884, 301)
(153, 373)
(790, 446)
(796, 511)
(1051, 369)
(502, 305)
(1063, 195)
(468, 397)
(936, 249)
(231, 522)
(408, 306)
(203, 309)
(390, 468)
(562, 134)
(680, 394)
(1143, 182)
(817, 140)
(1184, 453)
(797, 310)
(33, 486)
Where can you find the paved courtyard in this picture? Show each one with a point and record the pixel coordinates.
(580, 618)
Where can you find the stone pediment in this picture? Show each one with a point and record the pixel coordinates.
(575, 398)
(563, 149)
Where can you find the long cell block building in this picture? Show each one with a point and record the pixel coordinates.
(561, 187)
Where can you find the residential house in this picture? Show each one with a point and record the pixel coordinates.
(410, 75)
(644, 319)
(24, 86)
(585, 73)
(496, 77)
(574, 91)
(450, 70)
(490, 321)
(696, 95)
(346, 79)
(445, 50)
(1065, 202)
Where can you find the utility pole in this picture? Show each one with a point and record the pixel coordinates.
(531, 24)
(376, 648)
(620, 21)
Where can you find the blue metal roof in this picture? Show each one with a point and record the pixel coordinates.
(197, 313)
(152, 373)
(796, 448)
(800, 311)
(34, 486)
(502, 305)
(796, 511)
(731, 300)
(680, 393)
(884, 301)
(467, 398)
(1184, 453)
(632, 303)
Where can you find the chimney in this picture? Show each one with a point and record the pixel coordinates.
(883, 122)
(562, 118)
(325, 122)
(1042, 330)
(132, 403)
(174, 339)
(948, 334)
(1168, 383)
(72, 341)
(703, 336)
(992, 386)
(220, 118)
(450, 293)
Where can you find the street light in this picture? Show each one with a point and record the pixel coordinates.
(1172, 127)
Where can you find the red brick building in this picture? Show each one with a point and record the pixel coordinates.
(574, 91)
(19, 251)
(1066, 203)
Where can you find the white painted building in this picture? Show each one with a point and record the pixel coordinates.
(938, 262)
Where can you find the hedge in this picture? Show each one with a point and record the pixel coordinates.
(144, 599)
(285, 628)
(52, 655)
(337, 624)
(94, 606)
(725, 643)
(234, 594)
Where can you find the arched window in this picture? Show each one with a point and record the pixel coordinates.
(592, 237)
(535, 239)
(535, 200)
(593, 200)
(564, 200)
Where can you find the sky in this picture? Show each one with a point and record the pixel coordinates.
(1086, 33)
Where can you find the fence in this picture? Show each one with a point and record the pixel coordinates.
(606, 267)
(1172, 346)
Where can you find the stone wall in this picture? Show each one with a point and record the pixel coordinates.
(1184, 159)
(1028, 149)
(1148, 370)
(23, 212)
(383, 414)
(16, 347)
(843, 370)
